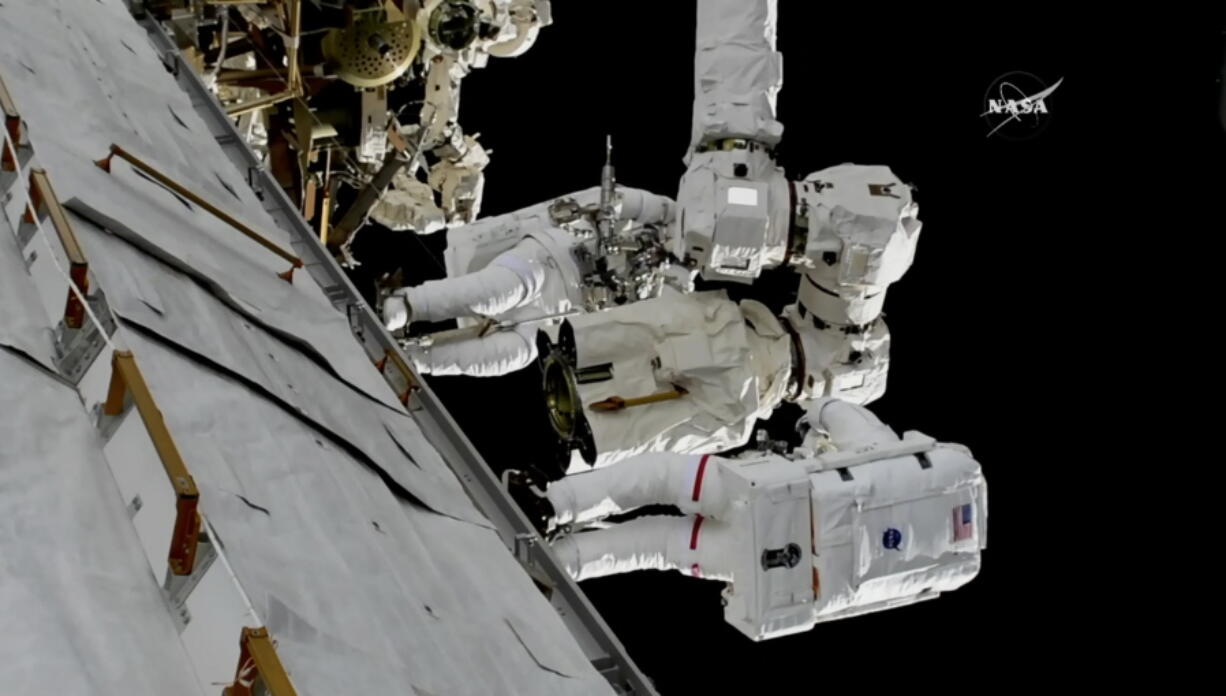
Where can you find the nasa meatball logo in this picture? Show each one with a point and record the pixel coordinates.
(1018, 106)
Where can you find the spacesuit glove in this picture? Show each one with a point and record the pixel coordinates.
(396, 310)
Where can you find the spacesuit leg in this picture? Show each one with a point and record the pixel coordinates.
(691, 482)
(696, 546)
(499, 353)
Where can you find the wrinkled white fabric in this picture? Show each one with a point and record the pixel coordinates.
(863, 227)
(858, 571)
(700, 342)
(471, 247)
(531, 284)
(364, 589)
(650, 543)
(884, 533)
(737, 72)
(850, 426)
(499, 353)
(651, 478)
(851, 366)
(512, 280)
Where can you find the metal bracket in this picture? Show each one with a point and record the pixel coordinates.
(25, 232)
(76, 349)
(107, 424)
(524, 548)
(524, 541)
(253, 175)
(170, 61)
(178, 588)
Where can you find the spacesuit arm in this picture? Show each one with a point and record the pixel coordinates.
(513, 279)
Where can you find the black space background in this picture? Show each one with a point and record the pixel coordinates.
(1006, 331)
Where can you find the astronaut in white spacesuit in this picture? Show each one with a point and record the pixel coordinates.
(511, 274)
(856, 520)
(678, 373)
(698, 370)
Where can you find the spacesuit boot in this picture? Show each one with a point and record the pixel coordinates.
(527, 489)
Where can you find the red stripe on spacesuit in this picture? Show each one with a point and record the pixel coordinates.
(694, 531)
(702, 467)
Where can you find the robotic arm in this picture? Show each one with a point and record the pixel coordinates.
(856, 232)
(734, 199)
(460, 35)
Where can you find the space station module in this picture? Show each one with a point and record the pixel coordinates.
(510, 275)
(868, 521)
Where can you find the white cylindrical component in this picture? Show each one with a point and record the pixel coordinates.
(696, 546)
(849, 425)
(644, 207)
(691, 482)
(863, 228)
(499, 353)
(852, 366)
(737, 72)
(841, 307)
(512, 280)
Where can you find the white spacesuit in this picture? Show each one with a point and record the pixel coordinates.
(870, 522)
(689, 373)
(522, 270)
(736, 363)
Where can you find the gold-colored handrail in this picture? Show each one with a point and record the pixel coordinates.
(250, 232)
(257, 658)
(127, 380)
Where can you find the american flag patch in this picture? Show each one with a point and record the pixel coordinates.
(964, 525)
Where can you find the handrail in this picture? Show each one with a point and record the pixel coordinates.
(250, 232)
(586, 625)
(126, 379)
(257, 657)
